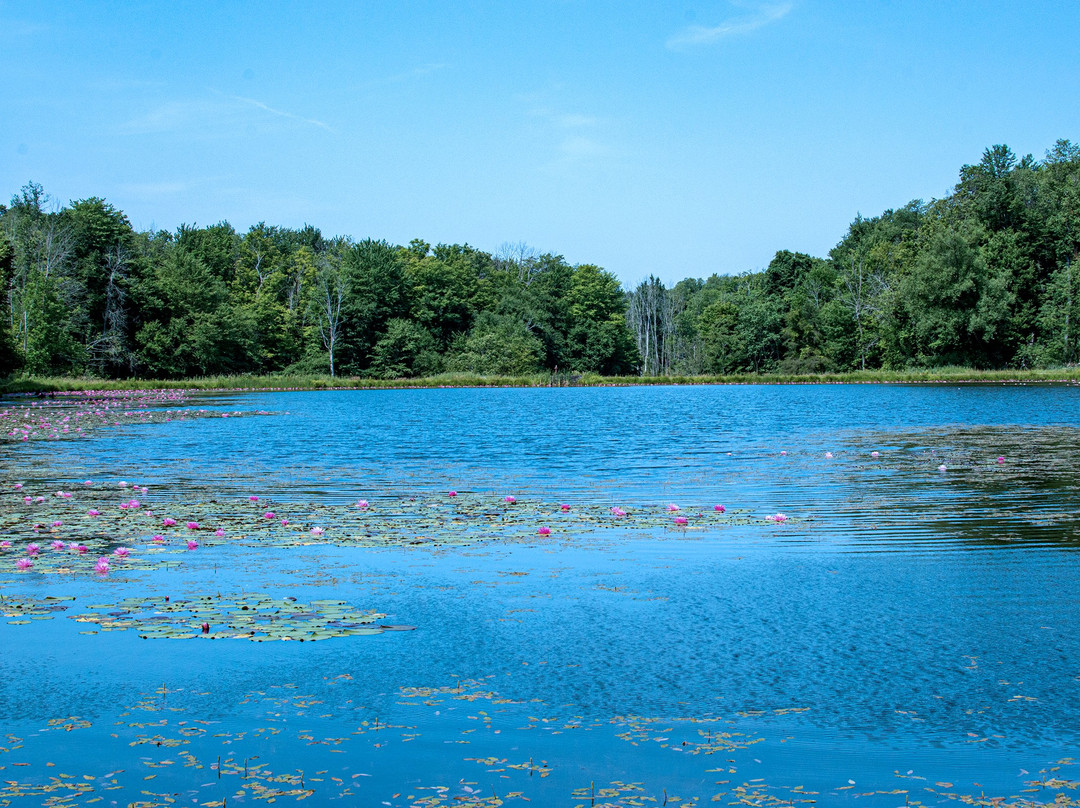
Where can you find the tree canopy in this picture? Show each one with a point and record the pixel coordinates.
(986, 277)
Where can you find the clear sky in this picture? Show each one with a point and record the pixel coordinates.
(678, 139)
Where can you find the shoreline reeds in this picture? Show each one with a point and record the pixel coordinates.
(278, 382)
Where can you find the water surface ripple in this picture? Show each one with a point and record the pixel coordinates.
(906, 617)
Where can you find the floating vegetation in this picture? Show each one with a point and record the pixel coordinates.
(79, 415)
(285, 759)
(69, 531)
(255, 617)
(24, 609)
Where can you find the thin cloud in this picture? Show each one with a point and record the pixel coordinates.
(282, 113)
(418, 72)
(212, 116)
(699, 35)
(154, 188)
(574, 121)
(582, 148)
(564, 120)
(170, 116)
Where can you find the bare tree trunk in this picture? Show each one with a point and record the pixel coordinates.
(111, 344)
(519, 258)
(331, 285)
(863, 293)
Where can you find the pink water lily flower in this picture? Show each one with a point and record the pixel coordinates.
(28, 499)
(268, 515)
(219, 532)
(681, 521)
(509, 500)
(58, 545)
(93, 512)
(828, 455)
(1001, 460)
(617, 511)
(284, 522)
(168, 521)
(83, 549)
(121, 552)
(362, 504)
(24, 563)
(942, 467)
(192, 544)
(192, 525)
(564, 507)
(18, 486)
(317, 531)
(158, 539)
(776, 517)
(875, 454)
(123, 484)
(673, 507)
(73, 546)
(32, 549)
(5, 544)
(719, 508)
(544, 531)
(452, 494)
(88, 482)
(102, 565)
(253, 498)
(57, 524)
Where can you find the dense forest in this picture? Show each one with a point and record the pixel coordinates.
(986, 278)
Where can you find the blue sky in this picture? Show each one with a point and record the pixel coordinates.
(646, 137)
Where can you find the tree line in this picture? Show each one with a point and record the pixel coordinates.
(984, 278)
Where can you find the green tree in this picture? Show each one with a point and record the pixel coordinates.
(216, 246)
(719, 327)
(497, 345)
(41, 289)
(443, 288)
(957, 304)
(405, 349)
(375, 279)
(598, 340)
(102, 256)
(189, 328)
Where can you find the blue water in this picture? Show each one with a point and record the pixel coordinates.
(906, 623)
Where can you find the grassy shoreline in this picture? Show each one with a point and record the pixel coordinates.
(1069, 375)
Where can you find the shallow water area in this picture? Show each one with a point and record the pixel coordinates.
(906, 635)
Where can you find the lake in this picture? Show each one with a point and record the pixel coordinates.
(886, 610)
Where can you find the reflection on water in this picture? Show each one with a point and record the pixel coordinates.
(761, 448)
(906, 623)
